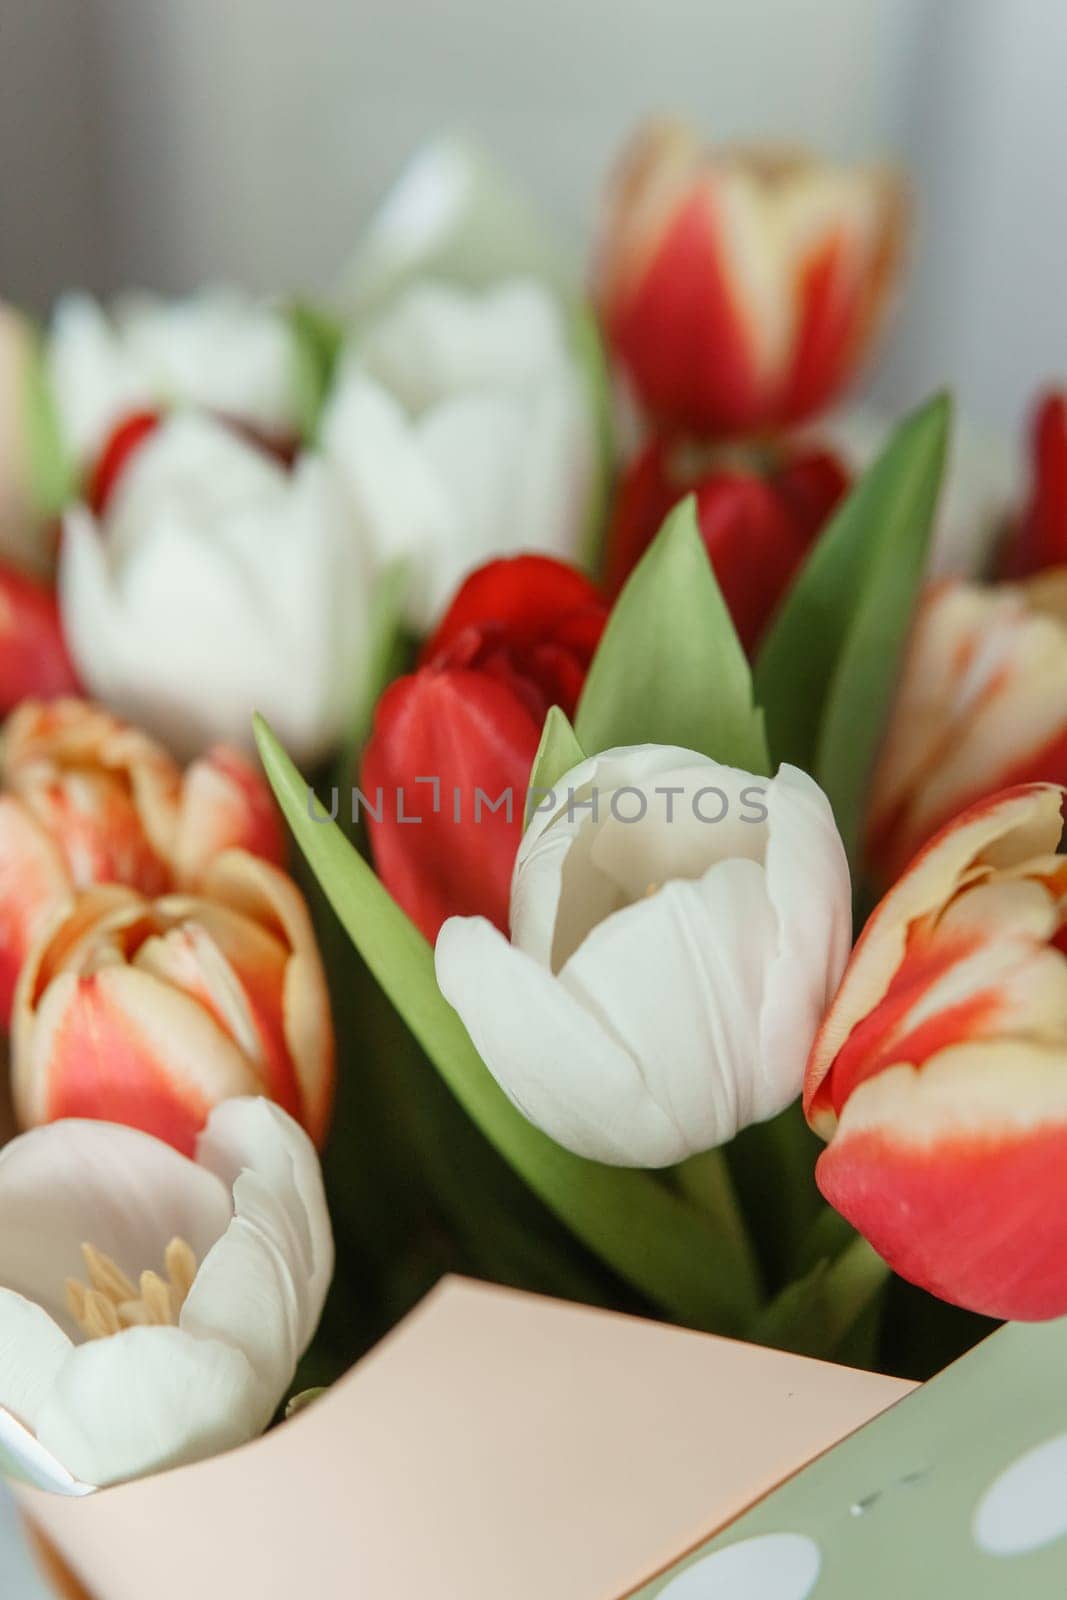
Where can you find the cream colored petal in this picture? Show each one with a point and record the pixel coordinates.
(553, 1059)
(279, 1200)
(147, 1399)
(32, 1350)
(810, 891)
(677, 981)
(22, 1456)
(124, 1192)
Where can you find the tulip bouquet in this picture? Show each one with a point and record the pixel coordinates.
(609, 681)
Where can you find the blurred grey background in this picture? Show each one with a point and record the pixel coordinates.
(161, 142)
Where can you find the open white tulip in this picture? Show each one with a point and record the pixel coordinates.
(153, 1308)
(678, 929)
(217, 584)
(464, 429)
(218, 350)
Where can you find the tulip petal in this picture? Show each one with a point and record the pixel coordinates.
(214, 572)
(94, 381)
(225, 804)
(297, 1015)
(682, 997)
(404, 509)
(22, 1454)
(982, 706)
(694, 815)
(955, 1175)
(32, 1350)
(33, 653)
(552, 1058)
(1015, 826)
(125, 1045)
(33, 882)
(133, 1192)
(475, 732)
(809, 888)
(280, 1243)
(105, 791)
(526, 593)
(147, 1399)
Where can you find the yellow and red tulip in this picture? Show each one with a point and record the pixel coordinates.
(149, 1012)
(740, 289)
(982, 706)
(939, 1075)
(87, 799)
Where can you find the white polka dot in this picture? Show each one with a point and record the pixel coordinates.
(1026, 1506)
(775, 1566)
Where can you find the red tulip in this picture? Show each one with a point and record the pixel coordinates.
(1040, 538)
(517, 639)
(33, 654)
(939, 1076)
(757, 526)
(741, 289)
(87, 799)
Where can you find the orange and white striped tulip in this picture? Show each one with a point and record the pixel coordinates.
(87, 799)
(982, 706)
(939, 1075)
(149, 1012)
(740, 289)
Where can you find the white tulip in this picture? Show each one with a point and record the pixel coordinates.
(452, 213)
(153, 1308)
(218, 584)
(218, 350)
(678, 929)
(463, 428)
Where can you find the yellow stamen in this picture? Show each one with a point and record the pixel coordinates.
(180, 1263)
(111, 1301)
(106, 1276)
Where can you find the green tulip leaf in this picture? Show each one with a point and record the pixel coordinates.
(650, 1236)
(317, 336)
(50, 471)
(815, 1314)
(558, 753)
(827, 671)
(592, 358)
(670, 668)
